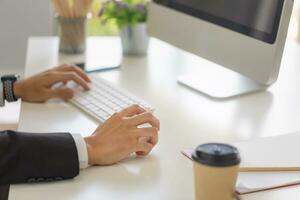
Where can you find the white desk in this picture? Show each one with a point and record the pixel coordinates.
(187, 119)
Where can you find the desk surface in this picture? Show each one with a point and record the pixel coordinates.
(187, 119)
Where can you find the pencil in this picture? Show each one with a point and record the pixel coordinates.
(72, 8)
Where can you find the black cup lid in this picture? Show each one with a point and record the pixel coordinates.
(217, 155)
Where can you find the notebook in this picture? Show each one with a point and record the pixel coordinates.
(250, 182)
(279, 153)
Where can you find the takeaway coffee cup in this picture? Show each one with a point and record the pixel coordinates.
(216, 168)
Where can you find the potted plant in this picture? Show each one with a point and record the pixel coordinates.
(130, 16)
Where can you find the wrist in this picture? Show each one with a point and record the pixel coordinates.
(17, 89)
(88, 141)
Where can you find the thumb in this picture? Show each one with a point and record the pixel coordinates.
(62, 93)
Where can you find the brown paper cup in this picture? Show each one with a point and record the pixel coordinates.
(215, 183)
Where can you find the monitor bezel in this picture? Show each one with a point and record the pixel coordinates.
(254, 33)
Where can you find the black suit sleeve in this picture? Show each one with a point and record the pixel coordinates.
(4, 191)
(29, 157)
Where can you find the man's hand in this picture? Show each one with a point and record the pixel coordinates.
(120, 136)
(38, 88)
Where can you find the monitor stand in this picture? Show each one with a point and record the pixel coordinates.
(216, 81)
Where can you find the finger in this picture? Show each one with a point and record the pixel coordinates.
(65, 77)
(143, 118)
(132, 110)
(73, 68)
(150, 136)
(141, 153)
(143, 148)
(150, 132)
(152, 140)
(62, 93)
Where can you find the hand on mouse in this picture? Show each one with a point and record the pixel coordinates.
(120, 136)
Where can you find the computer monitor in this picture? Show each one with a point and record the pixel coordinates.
(245, 36)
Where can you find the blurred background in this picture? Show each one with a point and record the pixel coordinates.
(21, 19)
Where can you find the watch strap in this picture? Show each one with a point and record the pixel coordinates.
(9, 91)
(1, 95)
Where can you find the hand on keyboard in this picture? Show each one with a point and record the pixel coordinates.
(40, 87)
(120, 136)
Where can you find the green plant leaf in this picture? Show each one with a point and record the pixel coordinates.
(125, 12)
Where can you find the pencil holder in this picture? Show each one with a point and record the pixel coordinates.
(72, 35)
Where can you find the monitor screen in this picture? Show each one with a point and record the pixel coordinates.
(256, 18)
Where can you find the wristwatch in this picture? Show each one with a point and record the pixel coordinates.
(8, 83)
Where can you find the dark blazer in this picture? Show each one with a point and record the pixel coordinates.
(4, 190)
(30, 157)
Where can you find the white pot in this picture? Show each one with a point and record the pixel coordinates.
(135, 40)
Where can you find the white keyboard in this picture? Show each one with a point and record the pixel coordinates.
(104, 99)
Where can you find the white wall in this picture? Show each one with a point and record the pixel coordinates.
(20, 19)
